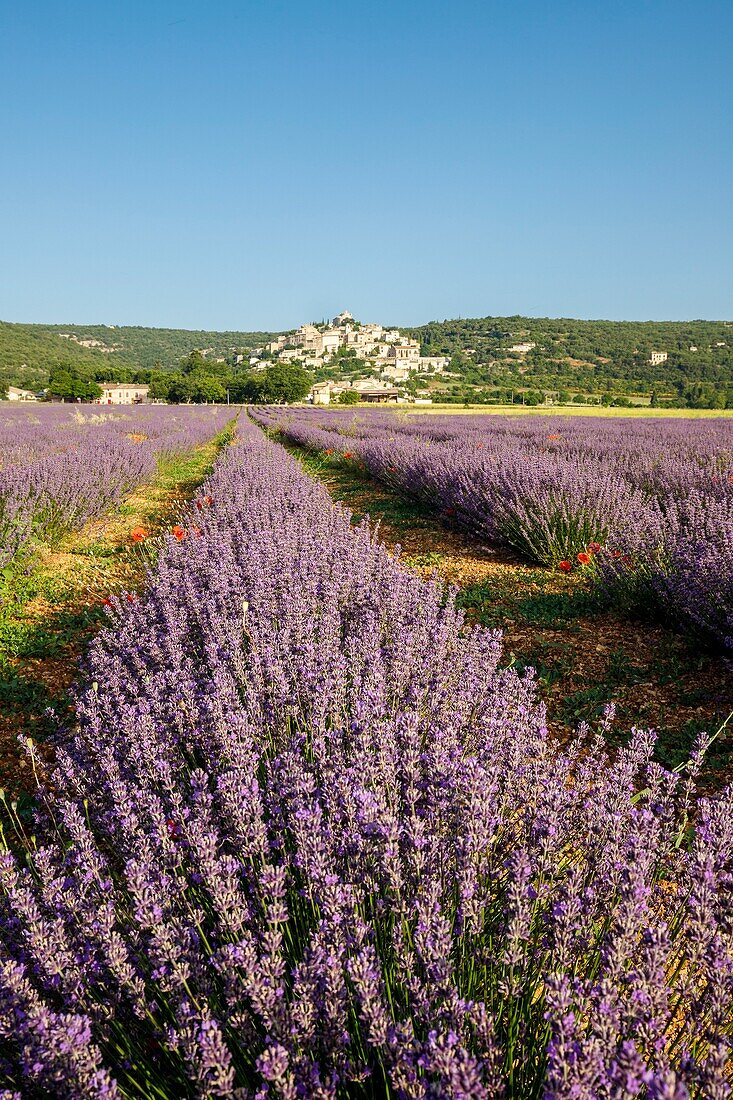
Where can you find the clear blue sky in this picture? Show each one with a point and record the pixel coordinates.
(254, 165)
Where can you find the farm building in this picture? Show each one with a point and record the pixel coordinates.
(16, 394)
(122, 393)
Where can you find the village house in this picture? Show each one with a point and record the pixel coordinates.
(658, 357)
(380, 394)
(16, 394)
(330, 341)
(516, 349)
(397, 372)
(407, 351)
(322, 393)
(122, 393)
(368, 383)
(376, 389)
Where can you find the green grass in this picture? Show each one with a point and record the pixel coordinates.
(349, 484)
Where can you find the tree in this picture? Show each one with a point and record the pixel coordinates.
(349, 397)
(160, 385)
(193, 362)
(197, 387)
(280, 384)
(208, 390)
(180, 390)
(68, 384)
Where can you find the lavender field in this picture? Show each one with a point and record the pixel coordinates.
(61, 465)
(307, 834)
(644, 507)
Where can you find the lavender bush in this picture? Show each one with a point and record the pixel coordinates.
(309, 839)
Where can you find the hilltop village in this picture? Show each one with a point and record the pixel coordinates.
(368, 361)
(484, 361)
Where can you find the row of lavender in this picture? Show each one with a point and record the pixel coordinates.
(645, 506)
(60, 466)
(309, 840)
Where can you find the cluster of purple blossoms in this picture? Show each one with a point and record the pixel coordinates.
(308, 838)
(61, 465)
(655, 496)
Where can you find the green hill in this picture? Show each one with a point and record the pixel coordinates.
(600, 359)
(593, 356)
(29, 352)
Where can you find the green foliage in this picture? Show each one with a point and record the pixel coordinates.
(28, 353)
(280, 384)
(590, 357)
(68, 383)
(196, 387)
(349, 397)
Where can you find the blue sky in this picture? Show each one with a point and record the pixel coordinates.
(253, 165)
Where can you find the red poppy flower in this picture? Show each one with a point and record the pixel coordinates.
(328, 451)
(565, 565)
(594, 547)
(138, 534)
(616, 554)
(107, 602)
(178, 533)
(584, 558)
(209, 500)
(131, 597)
(392, 469)
(627, 560)
(348, 454)
(200, 505)
(450, 511)
(174, 829)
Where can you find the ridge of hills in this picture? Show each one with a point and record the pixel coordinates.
(28, 353)
(593, 356)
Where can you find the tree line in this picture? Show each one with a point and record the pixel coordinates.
(197, 381)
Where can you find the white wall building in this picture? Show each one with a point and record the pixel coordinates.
(16, 394)
(330, 341)
(122, 393)
(397, 372)
(407, 352)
